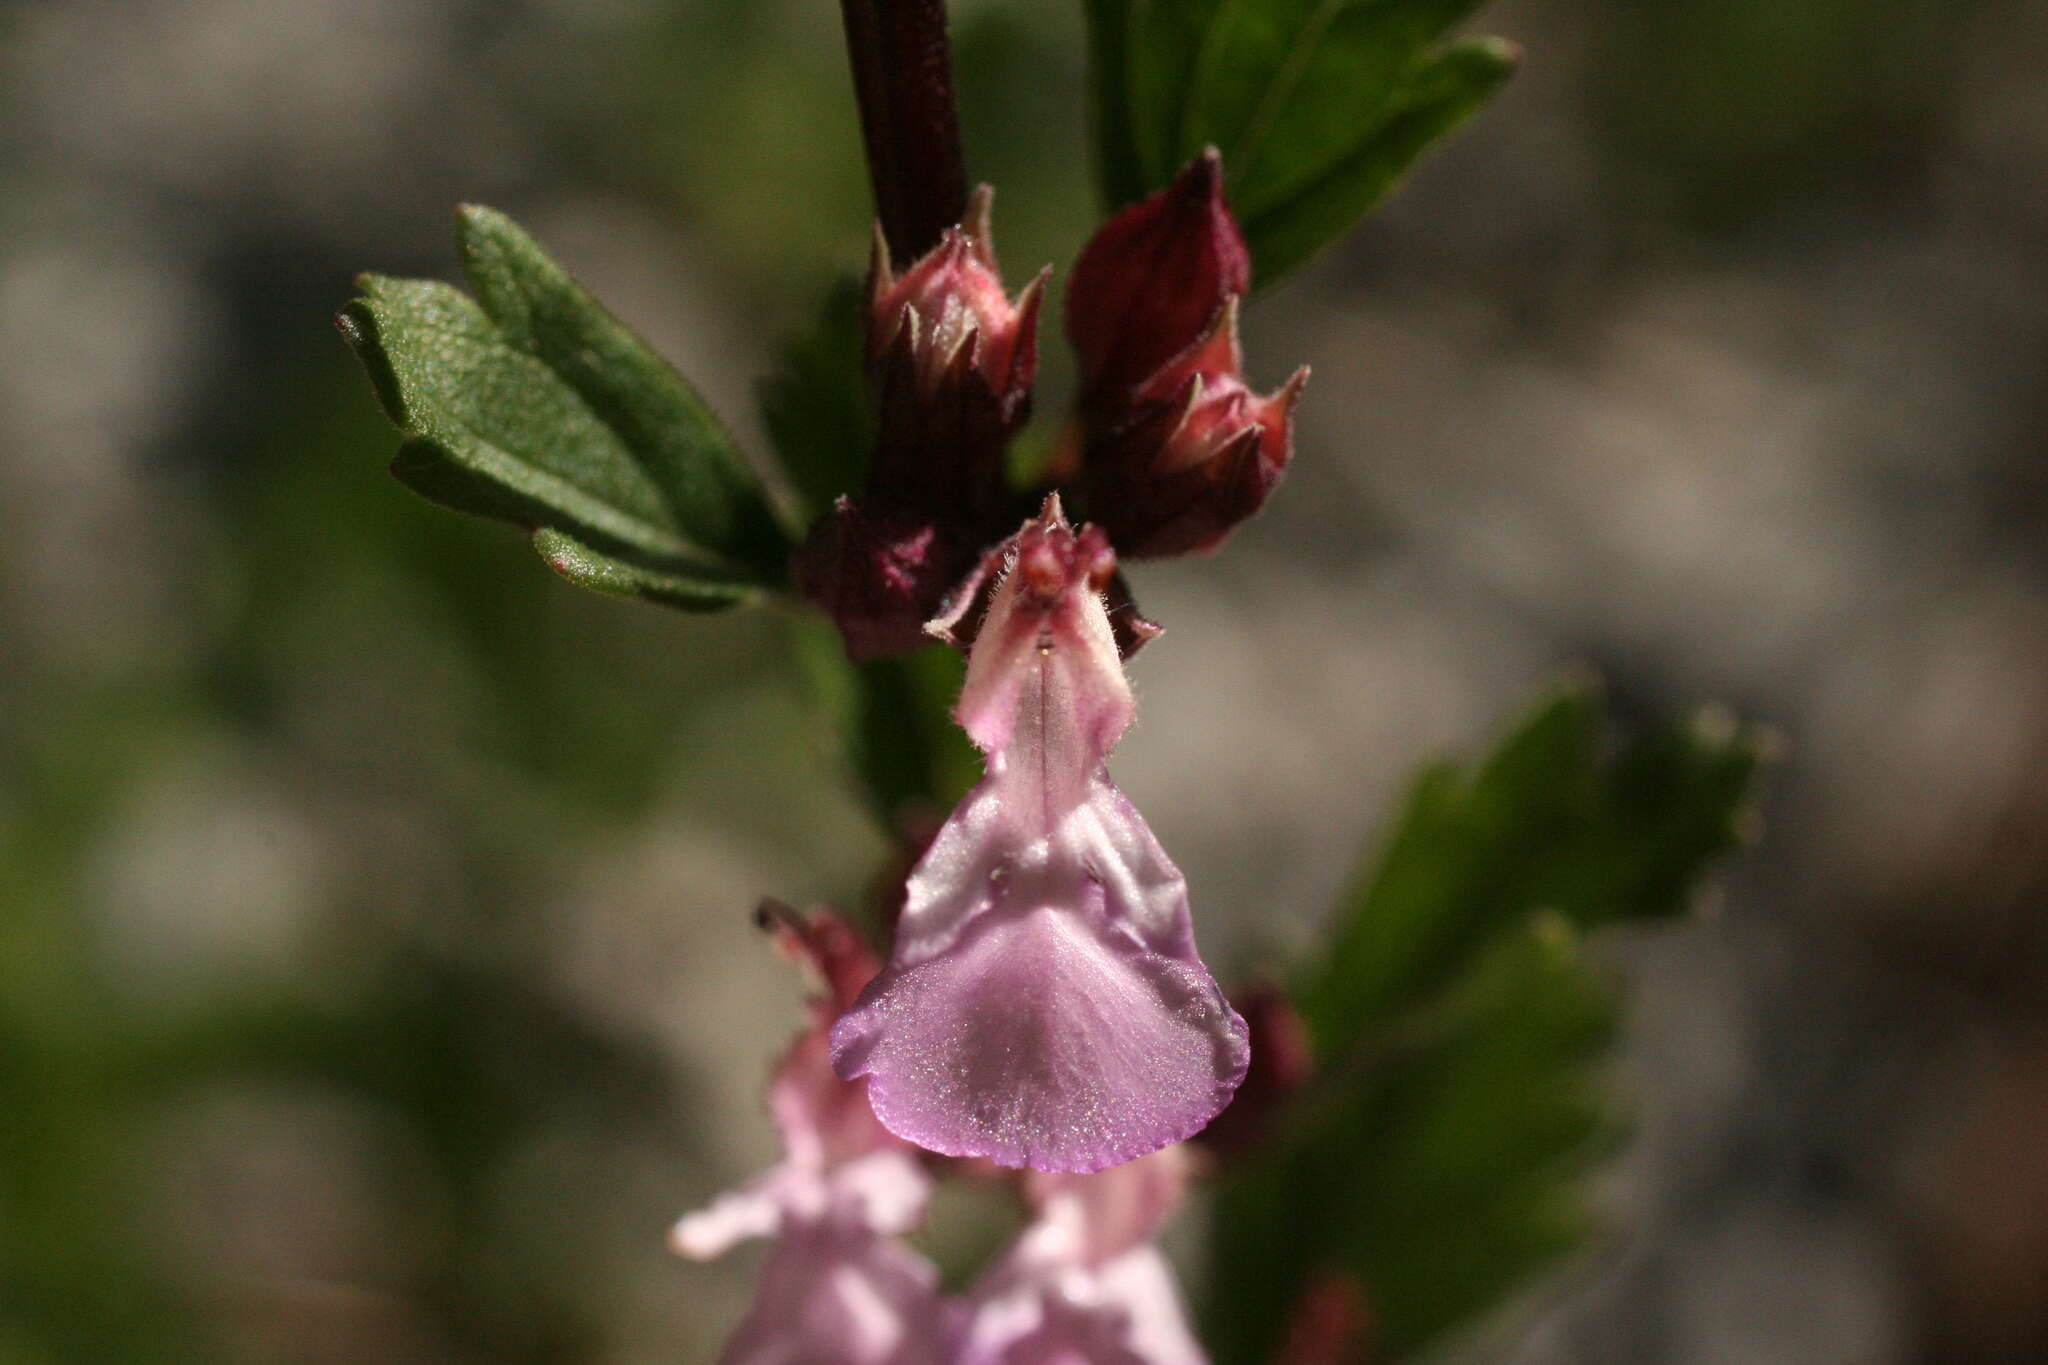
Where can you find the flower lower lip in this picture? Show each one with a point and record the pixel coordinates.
(1044, 1038)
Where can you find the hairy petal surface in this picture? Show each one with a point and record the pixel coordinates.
(1045, 1038)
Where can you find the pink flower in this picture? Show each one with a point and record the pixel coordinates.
(1083, 1284)
(836, 1288)
(831, 1294)
(1045, 1005)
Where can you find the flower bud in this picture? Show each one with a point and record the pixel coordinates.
(1282, 1060)
(1196, 452)
(951, 359)
(1151, 280)
(879, 569)
(952, 299)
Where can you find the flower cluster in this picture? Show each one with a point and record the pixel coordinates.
(1081, 1282)
(1177, 449)
(1172, 449)
(1043, 1005)
(838, 1285)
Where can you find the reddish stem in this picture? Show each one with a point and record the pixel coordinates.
(903, 81)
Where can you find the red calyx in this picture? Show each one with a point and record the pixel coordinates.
(951, 360)
(1194, 453)
(1151, 280)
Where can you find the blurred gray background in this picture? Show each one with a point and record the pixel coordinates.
(375, 976)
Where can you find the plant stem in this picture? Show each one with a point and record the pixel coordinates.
(903, 81)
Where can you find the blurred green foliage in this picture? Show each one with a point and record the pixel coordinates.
(1317, 108)
(361, 645)
(75, 1283)
(1459, 1025)
(815, 405)
(1747, 105)
(891, 720)
(1548, 822)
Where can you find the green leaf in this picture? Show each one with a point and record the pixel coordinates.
(1440, 1172)
(894, 721)
(1546, 823)
(1438, 1156)
(815, 403)
(1119, 165)
(600, 572)
(532, 404)
(1318, 106)
(1317, 206)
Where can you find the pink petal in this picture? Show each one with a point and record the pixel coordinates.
(1061, 1333)
(1048, 1039)
(885, 1193)
(753, 1210)
(833, 1295)
(1044, 669)
(1142, 1284)
(1128, 1313)
(1091, 1220)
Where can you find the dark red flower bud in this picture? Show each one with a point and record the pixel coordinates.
(1151, 280)
(1195, 452)
(952, 302)
(951, 359)
(879, 571)
(1282, 1060)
